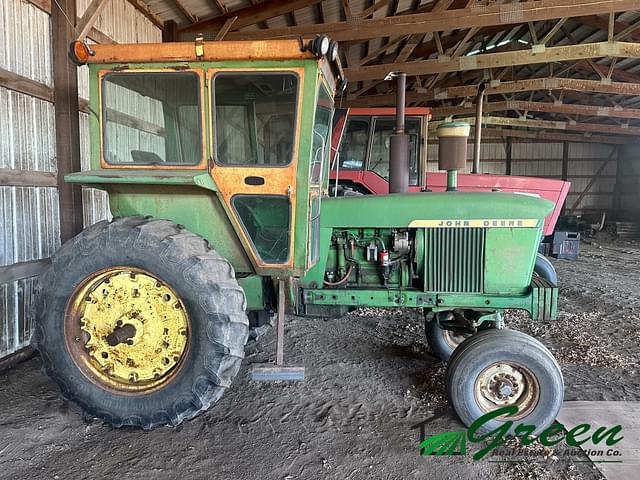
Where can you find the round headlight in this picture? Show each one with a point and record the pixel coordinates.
(320, 45)
(333, 50)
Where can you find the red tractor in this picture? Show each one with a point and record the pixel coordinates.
(361, 141)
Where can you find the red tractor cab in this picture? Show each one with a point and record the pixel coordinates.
(360, 161)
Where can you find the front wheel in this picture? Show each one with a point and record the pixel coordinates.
(499, 368)
(140, 322)
(442, 342)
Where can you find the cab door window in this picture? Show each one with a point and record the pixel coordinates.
(255, 118)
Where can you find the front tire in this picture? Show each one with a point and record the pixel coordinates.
(442, 342)
(140, 322)
(498, 368)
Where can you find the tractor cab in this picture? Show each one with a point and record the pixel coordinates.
(252, 124)
(361, 138)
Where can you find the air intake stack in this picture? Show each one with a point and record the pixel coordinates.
(452, 150)
(399, 142)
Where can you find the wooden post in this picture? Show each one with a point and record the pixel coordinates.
(622, 156)
(65, 93)
(170, 31)
(509, 154)
(565, 170)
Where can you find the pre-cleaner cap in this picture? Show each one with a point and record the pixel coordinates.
(454, 129)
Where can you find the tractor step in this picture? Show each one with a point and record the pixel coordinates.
(268, 372)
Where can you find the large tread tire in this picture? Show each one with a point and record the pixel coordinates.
(497, 346)
(205, 282)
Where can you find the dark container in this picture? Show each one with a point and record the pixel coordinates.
(566, 245)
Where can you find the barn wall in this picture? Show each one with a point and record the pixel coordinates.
(544, 159)
(629, 186)
(29, 214)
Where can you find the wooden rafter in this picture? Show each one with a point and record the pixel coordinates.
(504, 87)
(620, 27)
(503, 59)
(144, 9)
(552, 136)
(185, 11)
(529, 106)
(250, 15)
(475, 16)
(552, 125)
(91, 14)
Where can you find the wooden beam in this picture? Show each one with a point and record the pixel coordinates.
(225, 28)
(248, 16)
(498, 88)
(170, 31)
(65, 78)
(144, 9)
(551, 125)
(546, 136)
(367, 12)
(186, 13)
(18, 271)
(521, 105)
(595, 176)
(384, 49)
(496, 60)
(91, 14)
(27, 178)
(478, 15)
(221, 6)
(602, 24)
(18, 83)
(94, 34)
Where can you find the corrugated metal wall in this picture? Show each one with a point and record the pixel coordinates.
(29, 224)
(544, 159)
(124, 24)
(29, 217)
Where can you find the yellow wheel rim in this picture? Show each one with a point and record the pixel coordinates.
(129, 330)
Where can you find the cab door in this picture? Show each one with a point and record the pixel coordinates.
(319, 165)
(255, 139)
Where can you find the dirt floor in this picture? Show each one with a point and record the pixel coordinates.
(371, 382)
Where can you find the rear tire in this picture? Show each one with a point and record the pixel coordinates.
(520, 364)
(178, 261)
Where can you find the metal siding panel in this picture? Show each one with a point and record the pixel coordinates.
(25, 41)
(27, 132)
(30, 230)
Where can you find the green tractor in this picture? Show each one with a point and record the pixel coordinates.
(215, 158)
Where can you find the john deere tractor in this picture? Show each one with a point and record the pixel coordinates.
(215, 158)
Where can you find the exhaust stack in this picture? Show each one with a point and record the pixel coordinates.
(399, 142)
(452, 150)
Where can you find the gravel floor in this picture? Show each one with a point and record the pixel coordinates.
(371, 382)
